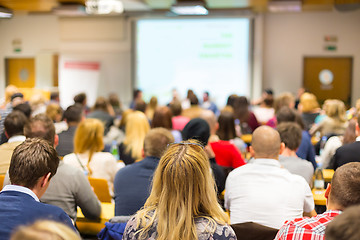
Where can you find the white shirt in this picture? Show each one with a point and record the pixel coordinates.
(264, 193)
(22, 189)
(102, 164)
(17, 138)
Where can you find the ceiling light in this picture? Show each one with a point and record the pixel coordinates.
(104, 7)
(5, 12)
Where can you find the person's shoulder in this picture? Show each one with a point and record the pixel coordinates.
(222, 231)
(103, 155)
(352, 146)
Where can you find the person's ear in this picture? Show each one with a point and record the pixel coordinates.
(45, 179)
(7, 135)
(56, 140)
(327, 191)
(357, 130)
(252, 152)
(143, 153)
(282, 148)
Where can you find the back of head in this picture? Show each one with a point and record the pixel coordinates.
(345, 226)
(101, 104)
(45, 230)
(285, 99)
(198, 129)
(241, 108)
(14, 123)
(183, 189)
(176, 108)
(226, 129)
(9, 91)
(290, 134)
(162, 118)
(345, 185)
(89, 136)
(308, 102)
(54, 111)
(285, 114)
(137, 126)
(32, 160)
(114, 100)
(231, 99)
(24, 108)
(335, 109)
(140, 105)
(210, 118)
(40, 126)
(153, 102)
(73, 114)
(266, 142)
(193, 100)
(156, 142)
(80, 98)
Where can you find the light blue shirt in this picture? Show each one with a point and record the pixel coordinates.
(22, 189)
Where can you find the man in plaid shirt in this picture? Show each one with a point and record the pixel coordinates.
(343, 192)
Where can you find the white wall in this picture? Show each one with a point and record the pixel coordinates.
(290, 37)
(43, 35)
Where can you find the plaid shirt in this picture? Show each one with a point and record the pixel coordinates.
(306, 228)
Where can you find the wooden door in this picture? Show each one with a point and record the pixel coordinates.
(329, 77)
(20, 72)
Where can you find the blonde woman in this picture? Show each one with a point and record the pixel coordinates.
(309, 108)
(182, 203)
(335, 121)
(137, 126)
(45, 230)
(88, 144)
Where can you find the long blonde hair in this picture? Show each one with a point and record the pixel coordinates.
(137, 126)
(336, 110)
(89, 137)
(183, 189)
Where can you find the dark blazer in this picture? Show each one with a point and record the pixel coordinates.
(17, 208)
(132, 186)
(66, 141)
(345, 154)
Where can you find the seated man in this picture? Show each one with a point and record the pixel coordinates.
(262, 191)
(132, 183)
(72, 115)
(69, 188)
(290, 134)
(14, 130)
(33, 164)
(343, 192)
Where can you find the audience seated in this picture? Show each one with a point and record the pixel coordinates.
(226, 154)
(137, 126)
(285, 99)
(178, 121)
(334, 142)
(45, 230)
(199, 129)
(194, 111)
(309, 108)
(335, 122)
(208, 104)
(248, 121)
(290, 135)
(151, 107)
(265, 111)
(103, 111)
(343, 192)
(132, 183)
(306, 149)
(262, 191)
(162, 118)
(69, 188)
(55, 113)
(73, 115)
(182, 203)
(345, 226)
(348, 152)
(14, 130)
(87, 156)
(33, 164)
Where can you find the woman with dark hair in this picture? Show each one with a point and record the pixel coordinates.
(248, 121)
(162, 118)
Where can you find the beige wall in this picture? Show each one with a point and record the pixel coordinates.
(290, 37)
(282, 40)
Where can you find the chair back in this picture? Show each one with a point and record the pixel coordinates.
(253, 231)
(101, 189)
(2, 177)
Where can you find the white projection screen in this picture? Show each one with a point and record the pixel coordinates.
(210, 54)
